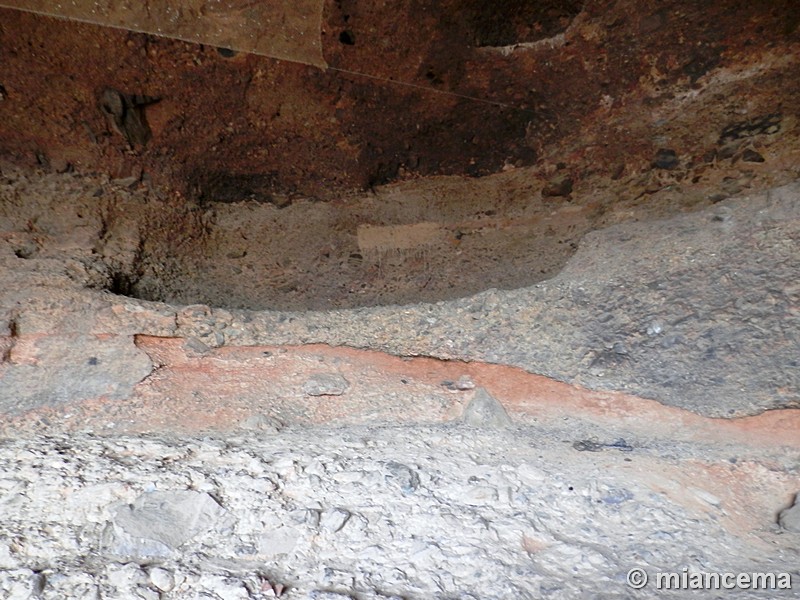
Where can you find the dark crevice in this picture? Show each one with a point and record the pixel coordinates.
(122, 284)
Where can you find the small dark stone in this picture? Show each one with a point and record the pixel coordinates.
(42, 159)
(402, 475)
(752, 156)
(595, 446)
(587, 446)
(560, 185)
(620, 348)
(621, 445)
(226, 52)
(93, 360)
(766, 124)
(666, 159)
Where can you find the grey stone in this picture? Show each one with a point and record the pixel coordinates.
(789, 518)
(326, 384)
(71, 368)
(485, 411)
(278, 541)
(168, 518)
(163, 579)
(116, 542)
(334, 519)
(402, 476)
(196, 345)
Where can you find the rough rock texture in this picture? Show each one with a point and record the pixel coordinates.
(503, 304)
(218, 472)
(414, 88)
(697, 311)
(246, 182)
(377, 513)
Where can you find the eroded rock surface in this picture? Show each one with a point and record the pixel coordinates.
(378, 513)
(696, 311)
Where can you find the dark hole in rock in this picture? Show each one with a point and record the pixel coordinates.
(226, 52)
(347, 38)
(122, 284)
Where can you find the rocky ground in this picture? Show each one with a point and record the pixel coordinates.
(639, 409)
(448, 511)
(426, 300)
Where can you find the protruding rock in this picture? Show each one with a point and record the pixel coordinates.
(485, 411)
(158, 522)
(789, 518)
(560, 185)
(326, 384)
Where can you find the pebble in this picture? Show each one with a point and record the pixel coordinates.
(560, 185)
(666, 159)
(402, 476)
(752, 156)
(654, 328)
(789, 518)
(163, 579)
(485, 411)
(464, 383)
(325, 384)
